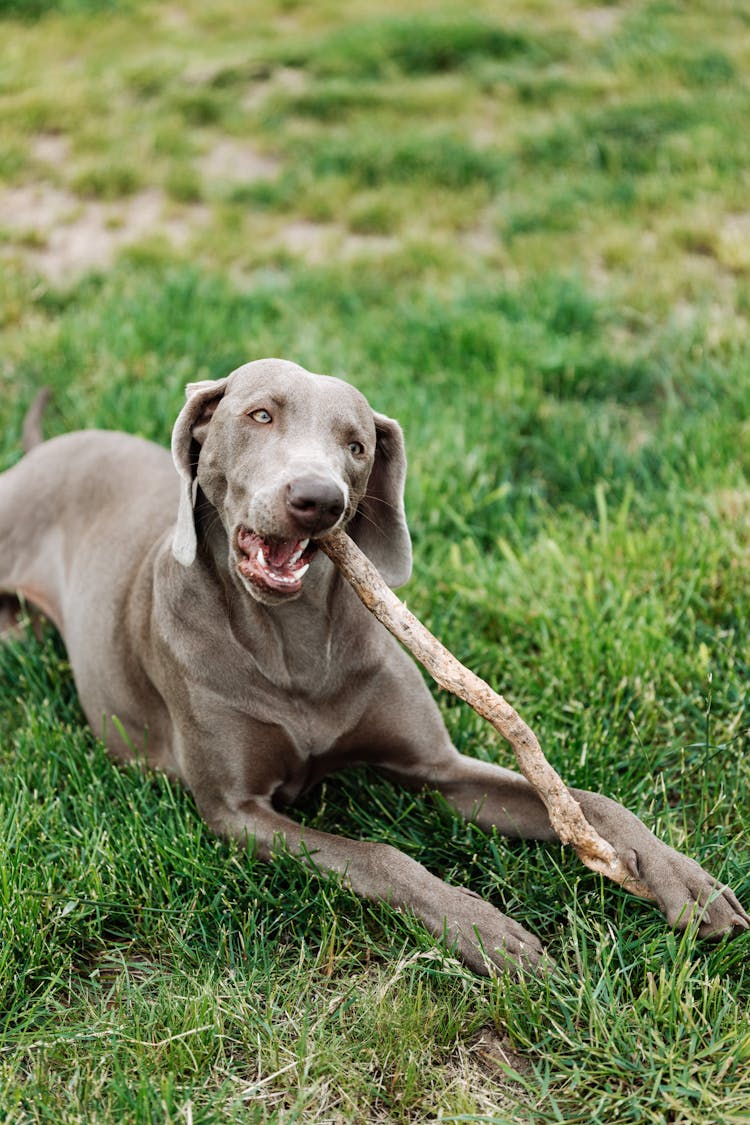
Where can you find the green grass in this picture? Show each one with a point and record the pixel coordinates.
(537, 257)
(412, 46)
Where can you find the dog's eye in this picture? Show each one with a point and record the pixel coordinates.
(261, 416)
(356, 448)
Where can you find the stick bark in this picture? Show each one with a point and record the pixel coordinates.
(564, 812)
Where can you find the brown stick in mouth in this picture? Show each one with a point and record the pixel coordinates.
(564, 812)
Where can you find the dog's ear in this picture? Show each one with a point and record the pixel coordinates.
(190, 427)
(379, 527)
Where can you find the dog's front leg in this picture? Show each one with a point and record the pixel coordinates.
(497, 797)
(478, 933)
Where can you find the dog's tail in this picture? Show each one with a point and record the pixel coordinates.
(32, 434)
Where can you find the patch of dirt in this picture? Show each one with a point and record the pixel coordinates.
(175, 18)
(733, 243)
(50, 148)
(354, 245)
(238, 162)
(478, 1068)
(317, 242)
(482, 239)
(311, 241)
(495, 1052)
(284, 80)
(63, 236)
(595, 22)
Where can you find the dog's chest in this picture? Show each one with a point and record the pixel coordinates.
(296, 738)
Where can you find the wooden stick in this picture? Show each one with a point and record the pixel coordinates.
(563, 810)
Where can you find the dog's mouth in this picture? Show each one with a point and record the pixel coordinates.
(278, 565)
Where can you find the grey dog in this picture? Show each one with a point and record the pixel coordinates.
(197, 608)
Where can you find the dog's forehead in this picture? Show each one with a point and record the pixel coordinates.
(288, 383)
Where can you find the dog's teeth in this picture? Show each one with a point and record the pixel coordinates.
(262, 558)
(302, 571)
(299, 552)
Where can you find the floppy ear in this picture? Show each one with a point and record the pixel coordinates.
(191, 425)
(379, 527)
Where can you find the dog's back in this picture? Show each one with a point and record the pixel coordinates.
(79, 515)
(71, 507)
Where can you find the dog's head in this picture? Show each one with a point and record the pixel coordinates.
(285, 456)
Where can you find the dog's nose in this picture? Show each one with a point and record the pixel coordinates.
(314, 503)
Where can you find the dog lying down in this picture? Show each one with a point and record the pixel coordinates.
(237, 658)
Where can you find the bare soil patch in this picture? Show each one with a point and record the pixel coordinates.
(595, 22)
(63, 236)
(317, 242)
(237, 162)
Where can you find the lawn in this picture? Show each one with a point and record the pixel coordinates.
(522, 230)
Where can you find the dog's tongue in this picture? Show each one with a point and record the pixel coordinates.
(278, 552)
(275, 563)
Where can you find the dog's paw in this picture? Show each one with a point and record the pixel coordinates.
(487, 940)
(686, 893)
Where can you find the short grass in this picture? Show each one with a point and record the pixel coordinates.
(522, 230)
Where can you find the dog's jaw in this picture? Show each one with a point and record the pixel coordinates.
(271, 569)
